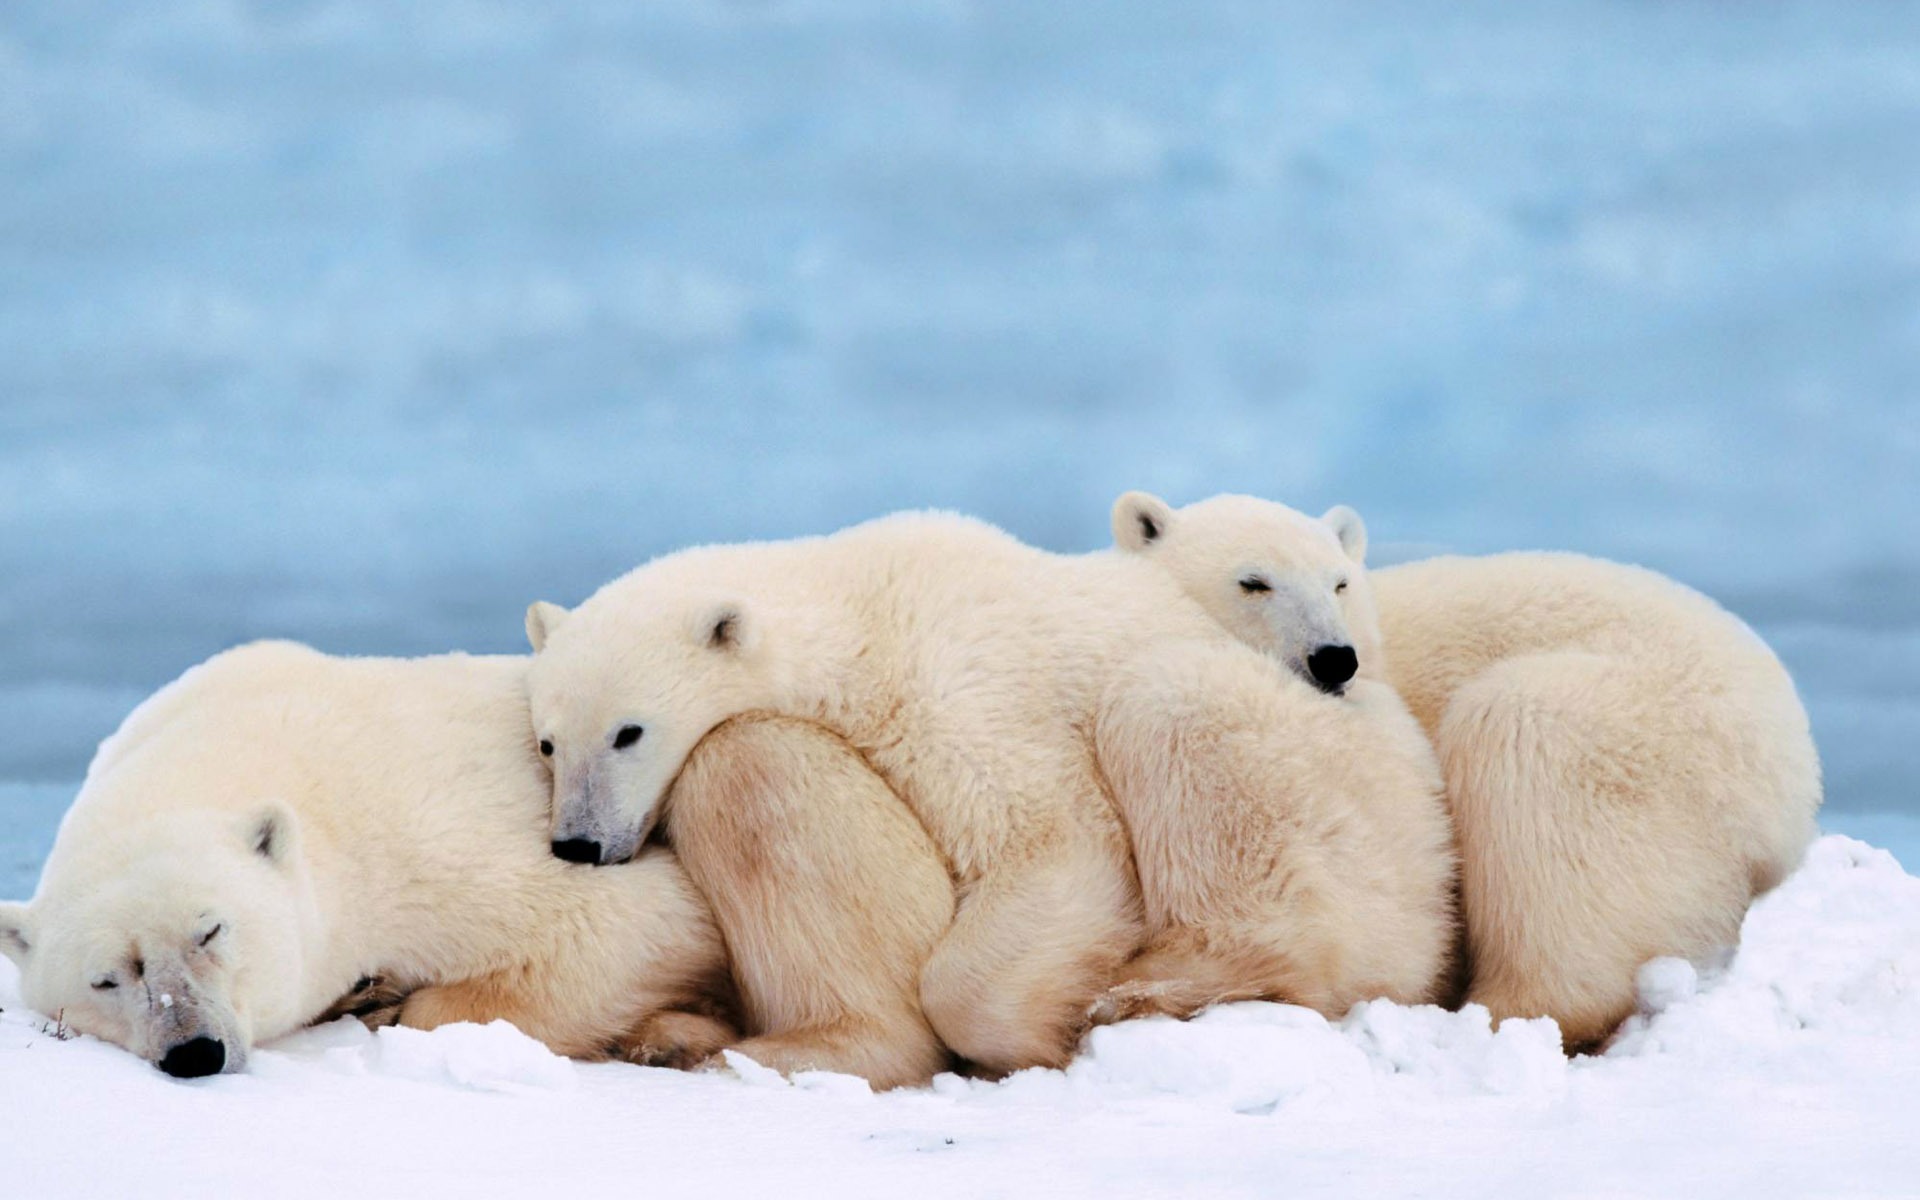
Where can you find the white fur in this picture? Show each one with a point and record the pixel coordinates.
(830, 895)
(1282, 836)
(1291, 845)
(315, 821)
(1312, 570)
(1628, 765)
(970, 671)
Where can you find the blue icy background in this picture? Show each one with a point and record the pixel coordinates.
(365, 324)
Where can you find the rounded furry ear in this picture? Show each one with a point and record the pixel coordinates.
(272, 833)
(13, 932)
(542, 619)
(725, 625)
(1349, 528)
(1139, 520)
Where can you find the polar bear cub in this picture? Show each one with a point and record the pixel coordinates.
(1627, 763)
(1002, 690)
(1291, 844)
(963, 665)
(1279, 580)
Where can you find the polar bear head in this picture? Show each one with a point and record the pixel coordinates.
(621, 690)
(177, 939)
(175, 915)
(1283, 582)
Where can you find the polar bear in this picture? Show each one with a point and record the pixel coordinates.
(1627, 763)
(973, 673)
(830, 896)
(279, 828)
(1290, 845)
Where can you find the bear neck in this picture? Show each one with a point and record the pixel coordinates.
(843, 660)
(821, 668)
(410, 828)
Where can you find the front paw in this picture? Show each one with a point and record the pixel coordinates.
(1134, 998)
(375, 1001)
(679, 1040)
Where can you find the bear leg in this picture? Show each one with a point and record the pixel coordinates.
(829, 894)
(1033, 944)
(1586, 847)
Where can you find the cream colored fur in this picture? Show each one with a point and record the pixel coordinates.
(1629, 766)
(1627, 763)
(320, 821)
(830, 895)
(1300, 843)
(970, 671)
(1291, 846)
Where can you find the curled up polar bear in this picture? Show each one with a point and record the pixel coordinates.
(279, 827)
(1051, 720)
(1628, 764)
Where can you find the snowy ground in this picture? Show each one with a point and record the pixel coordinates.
(1792, 1072)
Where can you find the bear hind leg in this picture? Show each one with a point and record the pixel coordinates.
(828, 892)
(1031, 947)
(1585, 850)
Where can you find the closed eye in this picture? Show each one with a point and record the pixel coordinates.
(105, 985)
(1339, 587)
(1253, 583)
(211, 934)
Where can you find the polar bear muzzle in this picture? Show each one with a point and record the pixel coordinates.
(194, 1058)
(1331, 666)
(577, 850)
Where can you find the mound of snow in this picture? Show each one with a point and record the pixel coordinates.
(495, 1057)
(487, 1058)
(1833, 953)
(1789, 1069)
(1264, 1058)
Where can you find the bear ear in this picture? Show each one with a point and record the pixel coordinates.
(1349, 528)
(1140, 519)
(13, 932)
(542, 619)
(272, 833)
(725, 625)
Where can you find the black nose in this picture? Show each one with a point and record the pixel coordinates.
(1332, 666)
(195, 1057)
(577, 850)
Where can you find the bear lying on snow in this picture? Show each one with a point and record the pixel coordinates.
(278, 825)
(1627, 763)
(1033, 710)
(1162, 777)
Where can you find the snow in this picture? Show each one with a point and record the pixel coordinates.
(1791, 1070)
